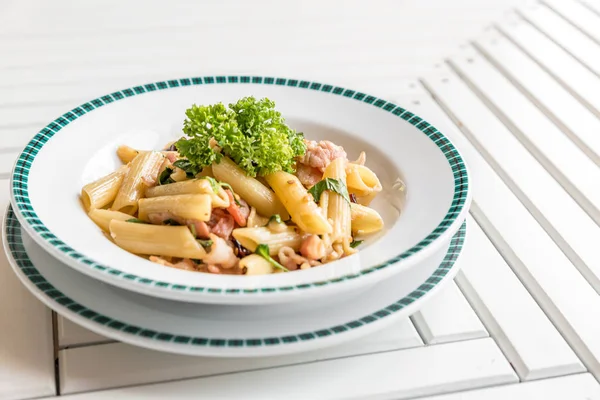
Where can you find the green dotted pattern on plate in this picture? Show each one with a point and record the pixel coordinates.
(15, 244)
(20, 175)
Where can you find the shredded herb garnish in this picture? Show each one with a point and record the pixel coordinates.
(136, 221)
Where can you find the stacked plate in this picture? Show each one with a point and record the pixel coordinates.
(70, 265)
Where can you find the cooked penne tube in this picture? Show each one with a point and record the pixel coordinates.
(186, 206)
(250, 189)
(219, 199)
(250, 238)
(103, 191)
(126, 154)
(255, 265)
(159, 240)
(338, 208)
(255, 220)
(365, 219)
(179, 175)
(361, 180)
(144, 166)
(102, 217)
(298, 202)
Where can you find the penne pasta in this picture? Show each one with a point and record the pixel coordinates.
(364, 219)
(255, 220)
(103, 191)
(219, 199)
(102, 217)
(338, 208)
(255, 265)
(186, 206)
(179, 175)
(250, 189)
(160, 240)
(250, 238)
(299, 203)
(361, 180)
(126, 154)
(144, 166)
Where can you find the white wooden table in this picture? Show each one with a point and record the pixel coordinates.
(517, 92)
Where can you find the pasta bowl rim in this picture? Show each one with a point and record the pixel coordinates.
(110, 274)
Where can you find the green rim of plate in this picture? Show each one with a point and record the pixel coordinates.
(20, 175)
(19, 254)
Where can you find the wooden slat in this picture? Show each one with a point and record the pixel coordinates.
(423, 371)
(7, 160)
(26, 345)
(506, 317)
(103, 366)
(71, 334)
(515, 321)
(553, 149)
(578, 15)
(577, 79)
(564, 34)
(558, 287)
(591, 5)
(448, 318)
(575, 387)
(559, 106)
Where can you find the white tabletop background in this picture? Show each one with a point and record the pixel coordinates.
(514, 84)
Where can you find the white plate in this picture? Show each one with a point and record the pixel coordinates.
(218, 330)
(80, 147)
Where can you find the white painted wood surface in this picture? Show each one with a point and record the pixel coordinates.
(396, 374)
(26, 344)
(448, 318)
(576, 78)
(556, 284)
(516, 322)
(103, 366)
(579, 15)
(559, 30)
(564, 110)
(557, 154)
(576, 387)
(573, 230)
(70, 334)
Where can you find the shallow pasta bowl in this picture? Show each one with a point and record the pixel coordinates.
(424, 200)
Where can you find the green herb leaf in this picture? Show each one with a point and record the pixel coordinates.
(205, 243)
(334, 185)
(263, 251)
(190, 169)
(275, 218)
(251, 132)
(192, 229)
(170, 221)
(355, 243)
(136, 221)
(165, 177)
